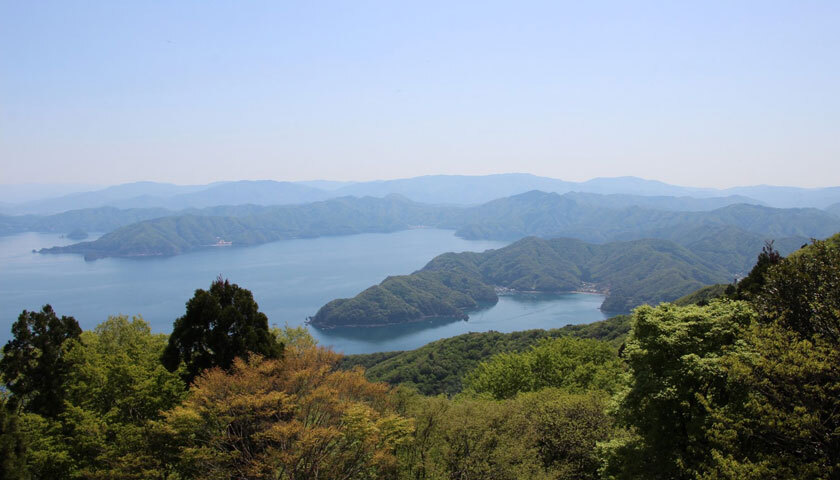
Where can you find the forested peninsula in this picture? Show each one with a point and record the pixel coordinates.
(628, 273)
(592, 218)
(253, 225)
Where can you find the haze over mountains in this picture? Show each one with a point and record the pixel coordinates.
(433, 189)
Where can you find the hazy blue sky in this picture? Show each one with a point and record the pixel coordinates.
(695, 93)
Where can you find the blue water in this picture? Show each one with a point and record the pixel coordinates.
(290, 280)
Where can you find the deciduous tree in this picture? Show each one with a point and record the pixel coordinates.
(295, 418)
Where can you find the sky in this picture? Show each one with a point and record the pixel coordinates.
(712, 94)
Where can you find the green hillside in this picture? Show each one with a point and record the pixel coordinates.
(102, 219)
(552, 215)
(439, 367)
(629, 273)
(173, 235)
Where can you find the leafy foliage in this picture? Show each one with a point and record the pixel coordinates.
(116, 389)
(783, 422)
(542, 435)
(754, 282)
(220, 324)
(803, 292)
(703, 296)
(674, 356)
(569, 364)
(739, 390)
(786, 420)
(296, 418)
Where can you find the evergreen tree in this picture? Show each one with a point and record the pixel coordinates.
(752, 284)
(34, 363)
(220, 325)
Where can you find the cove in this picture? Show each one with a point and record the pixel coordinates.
(290, 280)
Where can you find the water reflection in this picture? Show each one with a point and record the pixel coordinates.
(385, 333)
(511, 313)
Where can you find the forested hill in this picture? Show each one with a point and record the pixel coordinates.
(103, 219)
(552, 215)
(439, 367)
(590, 217)
(834, 209)
(178, 234)
(630, 273)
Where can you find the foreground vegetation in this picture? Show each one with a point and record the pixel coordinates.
(440, 366)
(745, 385)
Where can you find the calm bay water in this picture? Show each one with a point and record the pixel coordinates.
(290, 280)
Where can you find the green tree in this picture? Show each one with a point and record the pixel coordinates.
(548, 434)
(298, 418)
(802, 293)
(568, 428)
(220, 325)
(786, 422)
(755, 280)
(677, 375)
(571, 364)
(116, 389)
(34, 363)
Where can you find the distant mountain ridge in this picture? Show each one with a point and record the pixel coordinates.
(105, 219)
(433, 189)
(552, 215)
(529, 214)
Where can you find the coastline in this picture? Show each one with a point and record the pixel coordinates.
(308, 321)
(500, 291)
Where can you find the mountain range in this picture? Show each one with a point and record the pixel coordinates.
(530, 214)
(433, 189)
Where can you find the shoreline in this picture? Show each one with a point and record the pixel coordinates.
(500, 292)
(419, 320)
